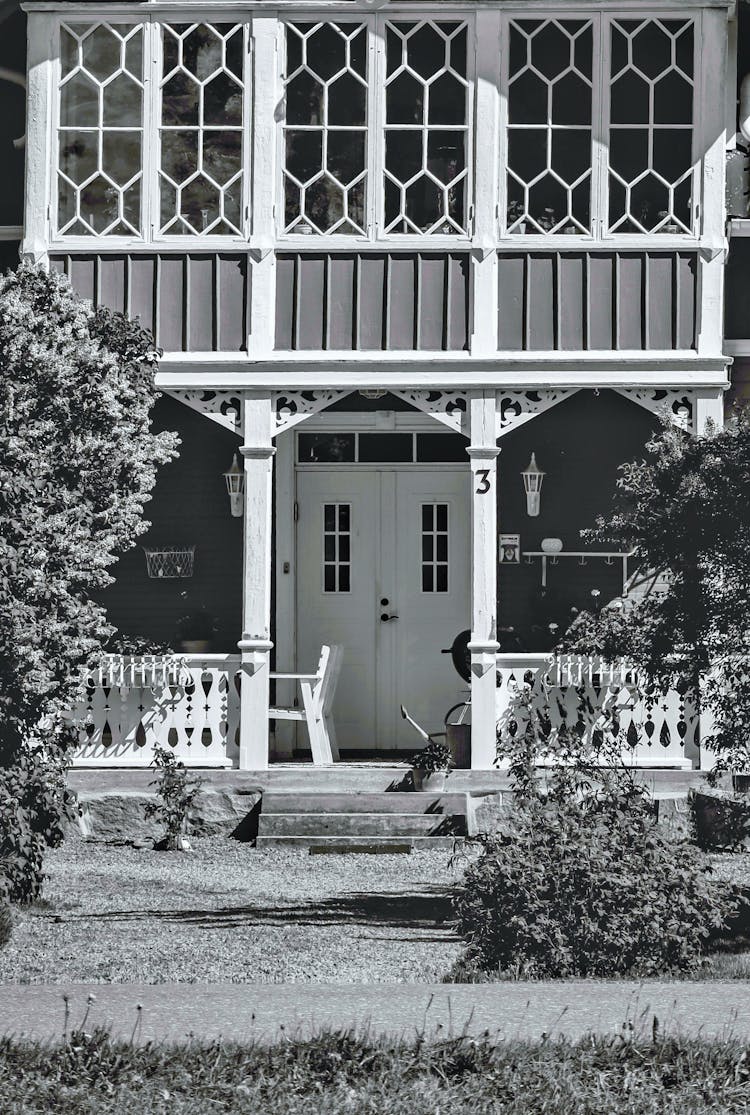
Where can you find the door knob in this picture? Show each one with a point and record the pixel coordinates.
(384, 617)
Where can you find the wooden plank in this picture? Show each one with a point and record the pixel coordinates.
(285, 299)
(372, 301)
(142, 289)
(311, 301)
(630, 301)
(83, 275)
(458, 303)
(171, 299)
(540, 312)
(660, 300)
(432, 282)
(112, 284)
(200, 277)
(687, 270)
(571, 290)
(511, 302)
(600, 297)
(402, 294)
(232, 279)
(341, 309)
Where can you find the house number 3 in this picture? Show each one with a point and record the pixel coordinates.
(484, 481)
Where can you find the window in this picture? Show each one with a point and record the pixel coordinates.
(100, 175)
(434, 547)
(337, 554)
(413, 179)
(200, 170)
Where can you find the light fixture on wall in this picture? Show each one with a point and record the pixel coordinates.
(533, 478)
(235, 481)
(373, 392)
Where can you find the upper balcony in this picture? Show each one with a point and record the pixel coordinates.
(467, 184)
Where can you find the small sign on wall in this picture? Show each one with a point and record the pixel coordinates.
(509, 549)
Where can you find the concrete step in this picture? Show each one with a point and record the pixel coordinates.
(361, 824)
(361, 801)
(380, 844)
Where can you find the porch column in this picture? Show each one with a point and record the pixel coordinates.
(483, 453)
(255, 645)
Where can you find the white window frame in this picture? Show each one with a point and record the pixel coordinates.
(375, 147)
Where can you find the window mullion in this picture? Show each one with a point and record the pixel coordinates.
(248, 93)
(504, 116)
(376, 130)
(600, 124)
(152, 133)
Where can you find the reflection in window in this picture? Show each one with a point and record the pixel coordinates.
(201, 129)
(426, 134)
(325, 129)
(549, 127)
(434, 547)
(325, 448)
(337, 553)
(650, 136)
(99, 180)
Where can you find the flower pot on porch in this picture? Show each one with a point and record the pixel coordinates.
(430, 782)
(741, 782)
(721, 819)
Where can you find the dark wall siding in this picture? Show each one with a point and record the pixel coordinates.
(12, 120)
(189, 507)
(196, 302)
(328, 301)
(9, 254)
(572, 301)
(579, 444)
(737, 299)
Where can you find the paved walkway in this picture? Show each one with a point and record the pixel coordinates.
(266, 1011)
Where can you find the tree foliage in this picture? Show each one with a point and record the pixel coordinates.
(78, 461)
(685, 509)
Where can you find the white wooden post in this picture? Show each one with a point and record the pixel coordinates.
(486, 128)
(286, 578)
(39, 76)
(266, 96)
(484, 646)
(708, 404)
(711, 107)
(255, 644)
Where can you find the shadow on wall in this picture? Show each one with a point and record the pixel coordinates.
(189, 507)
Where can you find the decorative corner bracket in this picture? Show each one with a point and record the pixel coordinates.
(293, 407)
(224, 407)
(514, 407)
(449, 407)
(677, 405)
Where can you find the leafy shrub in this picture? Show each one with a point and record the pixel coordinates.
(6, 923)
(176, 792)
(436, 756)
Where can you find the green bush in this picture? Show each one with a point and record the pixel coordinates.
(6, 923)
(587, 886)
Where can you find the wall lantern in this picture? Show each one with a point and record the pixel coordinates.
(235, 480)
(532, 483)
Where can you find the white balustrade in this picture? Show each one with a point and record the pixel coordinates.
(657, 729)
(131, 703)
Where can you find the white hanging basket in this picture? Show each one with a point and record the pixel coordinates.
(169, 563)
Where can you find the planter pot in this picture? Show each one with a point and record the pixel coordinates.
(741, 782)
(431, 782)
(458, 738)
(722, 820)
(196, 646)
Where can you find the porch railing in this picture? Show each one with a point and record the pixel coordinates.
(187, 702)
(657, 729)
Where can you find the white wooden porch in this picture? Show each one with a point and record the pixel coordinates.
(192, 703)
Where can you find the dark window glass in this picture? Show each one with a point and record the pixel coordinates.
(441, 447)
(325, 448)
(385, 447)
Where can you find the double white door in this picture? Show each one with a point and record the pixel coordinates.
(383, 569)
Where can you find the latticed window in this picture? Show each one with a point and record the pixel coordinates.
(201, 129)
(100, 176)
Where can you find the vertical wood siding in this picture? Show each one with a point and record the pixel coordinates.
(737, 301)
(342, 302)
(577, 301)
(197, 302)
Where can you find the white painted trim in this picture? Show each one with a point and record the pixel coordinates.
(189, 7)
(11, 232)
(286, 587)
(264, 82)
(740, 347)
(404, 421)
(40, 78)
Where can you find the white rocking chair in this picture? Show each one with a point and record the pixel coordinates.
(318, 691)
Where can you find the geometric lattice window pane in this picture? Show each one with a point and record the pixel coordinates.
(549, 126)
(651, 126)
(201, 129)
(337, 552)
(434, 547)
(100, 173)
(325, 129)
(426, 128)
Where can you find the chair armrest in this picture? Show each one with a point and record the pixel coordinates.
(293, 677)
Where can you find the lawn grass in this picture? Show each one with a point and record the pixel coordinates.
(337, 1073)
(228, 913)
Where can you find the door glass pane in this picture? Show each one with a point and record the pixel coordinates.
(386, 447)
(325, 128)
(337, 547)
(101, 130)
(651, 126)
(435, 554)
(202, 90)
(426, 133)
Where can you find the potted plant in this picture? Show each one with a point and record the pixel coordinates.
(431, 766)
(195, 632)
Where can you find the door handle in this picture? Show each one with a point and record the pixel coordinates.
(384, 617)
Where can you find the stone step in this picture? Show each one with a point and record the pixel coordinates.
(361, 824)
(380, 844)
(361, 801)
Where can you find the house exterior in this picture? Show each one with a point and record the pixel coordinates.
(390, 251)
